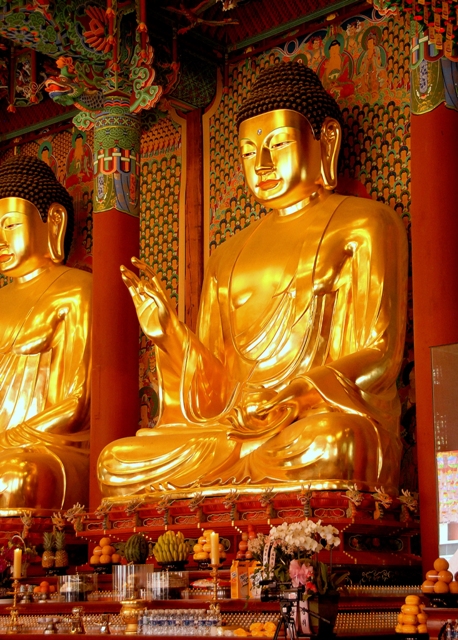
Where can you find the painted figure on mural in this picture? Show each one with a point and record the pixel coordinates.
(45, 154)
(353, 30)
(45, 352)
(79, 162)
(315, 51)
(291, 374)
(336, 70)
(371, 65)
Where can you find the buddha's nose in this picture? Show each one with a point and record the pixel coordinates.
(264, 161)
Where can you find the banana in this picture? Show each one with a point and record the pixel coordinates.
(171, 547)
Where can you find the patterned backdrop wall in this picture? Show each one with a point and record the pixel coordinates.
(160, 200)
(364, 63)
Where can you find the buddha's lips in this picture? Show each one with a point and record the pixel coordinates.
(5, 256)
(268, 184)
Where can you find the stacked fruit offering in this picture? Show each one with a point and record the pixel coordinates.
(171, 547)
(243, 553)
(104, 553)
(202, 548)
(439, 580)
(412, 619)
(44, 588)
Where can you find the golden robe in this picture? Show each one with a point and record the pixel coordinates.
(315, 298)
(45, 387)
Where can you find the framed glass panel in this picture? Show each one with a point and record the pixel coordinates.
(444, 361)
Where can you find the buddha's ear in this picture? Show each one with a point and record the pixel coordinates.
(57, 225)
(331, 136)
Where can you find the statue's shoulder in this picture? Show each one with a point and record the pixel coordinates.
(71, 278)
(353, 210)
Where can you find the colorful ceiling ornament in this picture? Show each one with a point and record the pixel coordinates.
(100, 48)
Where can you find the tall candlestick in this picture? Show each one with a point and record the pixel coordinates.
(17, 564)
(214, 548)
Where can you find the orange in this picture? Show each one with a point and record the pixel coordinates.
(97, 551)
(440, 587)
(116, 558)
(432, 575)
(108, 550)
(409, 628)
(428, 586)
(412, 600)
(44, 588)
(52, 588)
(106, 559)
(422, 628)
(445, 576)
(453, 587)
(94, 560)
(422, 617)
(440, 564)
(104, 542)
(410, 608)
(36, 589)
(408, 618)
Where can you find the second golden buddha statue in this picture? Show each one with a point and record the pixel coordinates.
(45, 344)
(291, 374)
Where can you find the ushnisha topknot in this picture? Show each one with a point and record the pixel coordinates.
(30, 178)
(290, 85)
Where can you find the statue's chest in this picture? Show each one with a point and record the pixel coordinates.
(25, 323)
(269, 266)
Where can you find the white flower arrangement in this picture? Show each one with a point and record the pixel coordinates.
(291, 553)
(304, 539)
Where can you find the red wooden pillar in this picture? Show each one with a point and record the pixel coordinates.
(114, 409)
(434, 190)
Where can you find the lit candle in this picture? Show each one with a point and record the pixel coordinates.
(17, 564)
(214, 548)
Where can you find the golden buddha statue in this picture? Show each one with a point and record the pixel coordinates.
(290, 377)
(45, 351)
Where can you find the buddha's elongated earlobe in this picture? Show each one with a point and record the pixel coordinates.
(57, 225)
(331, 136)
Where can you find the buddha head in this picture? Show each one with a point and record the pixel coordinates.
(36, 217)
(289, 136)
